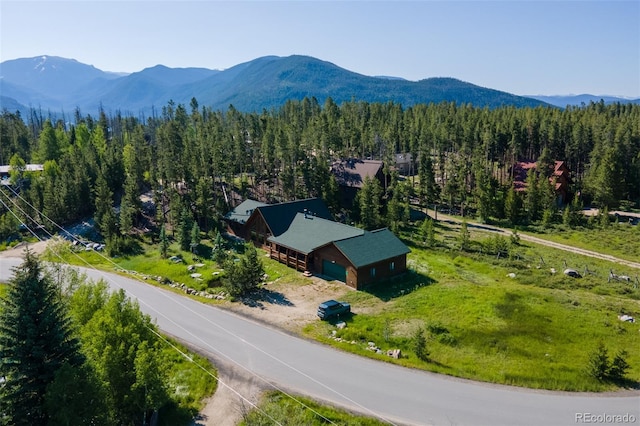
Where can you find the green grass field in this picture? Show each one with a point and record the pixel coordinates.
(191, 380)
(278, 408)
(621, 240)
(535, 330)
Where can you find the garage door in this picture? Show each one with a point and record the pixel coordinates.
(334, 270)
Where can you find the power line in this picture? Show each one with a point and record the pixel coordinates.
(216, 325)
(190, 359)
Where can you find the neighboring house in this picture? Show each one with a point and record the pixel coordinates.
(237, 218)
(302, 235)
(255, 221)
(351, 174)
(404, 164)
(561, 179)
(5, 171)
(342, 252)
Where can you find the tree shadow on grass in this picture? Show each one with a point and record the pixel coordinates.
(260, 297)
(626, 383)
(399, 286)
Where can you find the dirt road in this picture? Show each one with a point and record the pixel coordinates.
(536, 240)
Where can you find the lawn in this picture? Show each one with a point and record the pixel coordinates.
(535, 330)
(503, 319)
(191, 379)
(619, 240)
(278, 408)
(148, 264)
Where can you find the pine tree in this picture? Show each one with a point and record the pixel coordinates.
(429, 191)
(245, 274)
(164, 242)
(533, 199)
(512, 205)
(464, 238)
(254, 268)
(104, 217)
(48, 145)
(369, 203)
(195, 237)
(427, 230)
(184, 229)
(130, 206)
(545, 163)
(35, 342)
(218, 253)
(419, 343)
(598, 364)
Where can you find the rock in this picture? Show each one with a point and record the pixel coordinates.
(394, 353)
(371, 344)
(511, 275)
(572, 273)
(341, 325)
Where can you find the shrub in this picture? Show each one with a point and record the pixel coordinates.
(619, 366)
(245, 274)
(598, 366)
(602, 369)
(419, 343)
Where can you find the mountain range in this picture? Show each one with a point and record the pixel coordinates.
(56, 85)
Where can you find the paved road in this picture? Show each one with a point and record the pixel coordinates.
(395, 394)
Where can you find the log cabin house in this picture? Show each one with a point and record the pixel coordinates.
(296, 235)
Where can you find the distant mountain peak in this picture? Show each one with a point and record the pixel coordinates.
(263, 83)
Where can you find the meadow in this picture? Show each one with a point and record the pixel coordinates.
(279, 408)
(502, 317)
(619, 240)
(506, 319)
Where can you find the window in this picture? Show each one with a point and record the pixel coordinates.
(373, 272)
(392, 266)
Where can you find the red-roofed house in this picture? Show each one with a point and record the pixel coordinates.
(561, 178)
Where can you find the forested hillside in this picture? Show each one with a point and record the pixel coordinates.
(59, 84)
(195, 160)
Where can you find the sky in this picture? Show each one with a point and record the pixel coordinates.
(522, 47)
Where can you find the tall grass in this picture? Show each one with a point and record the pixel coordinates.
(535, 330)
(191, 380)
(278, 407)
(619, 240)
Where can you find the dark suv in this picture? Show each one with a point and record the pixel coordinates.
(331, 308)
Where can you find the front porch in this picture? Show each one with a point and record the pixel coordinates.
(290, 257)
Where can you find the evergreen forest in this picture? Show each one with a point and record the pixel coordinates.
(195, 162)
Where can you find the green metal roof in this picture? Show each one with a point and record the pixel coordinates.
(307, 233)
(279, 216)
(242, 212)
(371, 247)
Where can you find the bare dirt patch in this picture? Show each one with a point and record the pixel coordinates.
(290, 306)
(286, 306)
